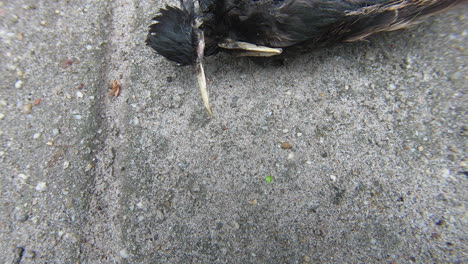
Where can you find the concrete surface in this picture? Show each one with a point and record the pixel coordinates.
(376, 172)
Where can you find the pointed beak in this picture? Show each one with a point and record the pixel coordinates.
(201, 73)
(249, 49)
(203, 89)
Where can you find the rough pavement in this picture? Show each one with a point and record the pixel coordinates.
(376, 172)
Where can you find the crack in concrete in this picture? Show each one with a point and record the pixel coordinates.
(105, 237)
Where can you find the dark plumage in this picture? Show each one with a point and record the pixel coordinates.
(281, 23)
(264, 27)
(172, 36)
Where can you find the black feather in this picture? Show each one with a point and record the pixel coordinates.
(282, 23)
(172, 35)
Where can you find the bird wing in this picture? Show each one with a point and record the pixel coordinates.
(282, 23)
(390, 16)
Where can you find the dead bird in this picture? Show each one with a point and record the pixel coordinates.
(188, 33)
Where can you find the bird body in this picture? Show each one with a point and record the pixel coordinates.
(282, 23)
(265, 27)
(289, 22)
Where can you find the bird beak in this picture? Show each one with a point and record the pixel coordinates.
(249, 49)
(201, 72)
(242, 49)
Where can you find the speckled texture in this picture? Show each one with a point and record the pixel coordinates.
(376, 172)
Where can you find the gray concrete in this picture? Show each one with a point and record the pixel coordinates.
(376, 172)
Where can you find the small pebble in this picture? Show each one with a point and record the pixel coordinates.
(123, 253)
(66, 164)
(21, 179)
(89, 166)
(58, 91)
(79, 94)
(55, 131)
(286, 145)
(3, 102)
(291, 156)
(18, 84)
(420, 148)
(445, 172)
(23, 176)
(333, 178)
(37, 135)
(27, 108)
(159, 215)
(253, 202)
(309, 162)
(391, 87)
(2, 116)
(21, 216)
(177, 99)
(234, 225)
(41, 186)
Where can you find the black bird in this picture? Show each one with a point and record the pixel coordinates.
(264, 27)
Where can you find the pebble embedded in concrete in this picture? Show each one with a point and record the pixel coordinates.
(41, 186)
(18, 84)
(37, 135)
(27, 108)
(123, 253)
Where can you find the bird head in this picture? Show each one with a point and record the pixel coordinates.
(172, 34)
(176, 35)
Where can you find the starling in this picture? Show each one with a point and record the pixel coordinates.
(196, 29)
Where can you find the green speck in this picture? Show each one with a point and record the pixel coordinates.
(268, 179)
